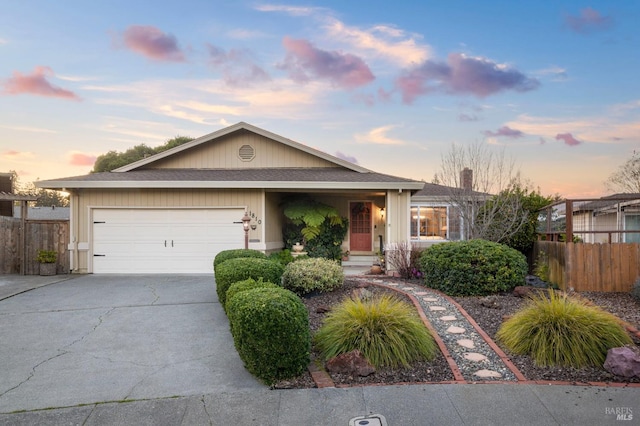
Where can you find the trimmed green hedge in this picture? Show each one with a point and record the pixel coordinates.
(248, 284)
(236, 253)
(313, 274)
(270, 328)
(473, 268)
(239, 269)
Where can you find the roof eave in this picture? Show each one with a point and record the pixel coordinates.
(409, 186)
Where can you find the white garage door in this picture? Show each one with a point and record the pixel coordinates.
(163, 240)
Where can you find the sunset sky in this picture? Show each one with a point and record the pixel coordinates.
(390, 85)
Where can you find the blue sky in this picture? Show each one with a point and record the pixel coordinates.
(389, 85)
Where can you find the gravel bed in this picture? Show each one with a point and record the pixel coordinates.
(467, 367)
(488, 318)
(436, 370)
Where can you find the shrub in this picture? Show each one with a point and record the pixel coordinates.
(283, 256)
(248, 284)
(270, 328)
(236, 253)
(475, 267)
(562, 330)
(385, 329)
(238, 269)
(313, 274)
(404, 258)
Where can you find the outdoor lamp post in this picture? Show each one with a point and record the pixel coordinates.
(245, 225)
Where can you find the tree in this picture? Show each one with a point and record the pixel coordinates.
(531, 201)
(485, 216)
(46, 197)
(627, 177)
(113, 159)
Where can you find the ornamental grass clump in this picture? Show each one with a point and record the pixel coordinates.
(560, 330)
(385, 329)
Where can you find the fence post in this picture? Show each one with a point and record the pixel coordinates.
(569, 217)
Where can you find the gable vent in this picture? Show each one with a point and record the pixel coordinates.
(246, 153)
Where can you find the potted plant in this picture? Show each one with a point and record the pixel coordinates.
(47, 260)
(345, 255)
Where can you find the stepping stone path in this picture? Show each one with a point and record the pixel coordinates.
(485, 374)
(464, 344)
(474, 356)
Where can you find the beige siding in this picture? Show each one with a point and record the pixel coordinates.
(162, 198)
(222, 153)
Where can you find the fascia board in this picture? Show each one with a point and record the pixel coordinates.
(233, 184)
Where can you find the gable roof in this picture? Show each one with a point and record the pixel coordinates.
(141, 174)
(234, 128)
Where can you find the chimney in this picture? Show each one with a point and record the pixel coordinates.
(466, 179)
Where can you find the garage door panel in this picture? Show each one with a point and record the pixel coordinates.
(163, 240)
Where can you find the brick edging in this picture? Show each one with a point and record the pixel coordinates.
(322, 379)
(458, 377)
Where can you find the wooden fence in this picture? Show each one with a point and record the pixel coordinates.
(40, 235)
(591, 267)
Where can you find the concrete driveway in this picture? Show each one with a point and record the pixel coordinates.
(99, 338)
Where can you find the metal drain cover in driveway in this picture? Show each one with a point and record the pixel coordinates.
(370, 420)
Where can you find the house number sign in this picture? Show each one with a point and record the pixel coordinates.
(253, 216)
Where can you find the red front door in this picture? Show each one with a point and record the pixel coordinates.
(360, 226)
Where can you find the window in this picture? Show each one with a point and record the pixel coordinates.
(632, 223)
(434, 223)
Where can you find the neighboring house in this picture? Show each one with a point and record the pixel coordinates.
(607, 215)
(43, 213)
(435, 214)
(174, 211)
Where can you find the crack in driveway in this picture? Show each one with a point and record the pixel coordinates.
(61, 352)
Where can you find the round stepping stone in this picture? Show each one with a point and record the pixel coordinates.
(429, 299)
(437, 308)
(407, 288)
(487, 373)
(466, 343)
(474, 356)
(448, 318)
(455, 330)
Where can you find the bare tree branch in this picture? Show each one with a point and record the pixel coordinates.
(490, 209)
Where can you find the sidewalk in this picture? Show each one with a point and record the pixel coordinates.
(410, 405)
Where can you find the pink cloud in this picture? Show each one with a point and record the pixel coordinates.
(505, 131)
(589, 20)
(304, 62)
(237, 66)
(11, 153)
(79, 159)
(462, 74)
(36, 83)
(568, 139)
(152, 43)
